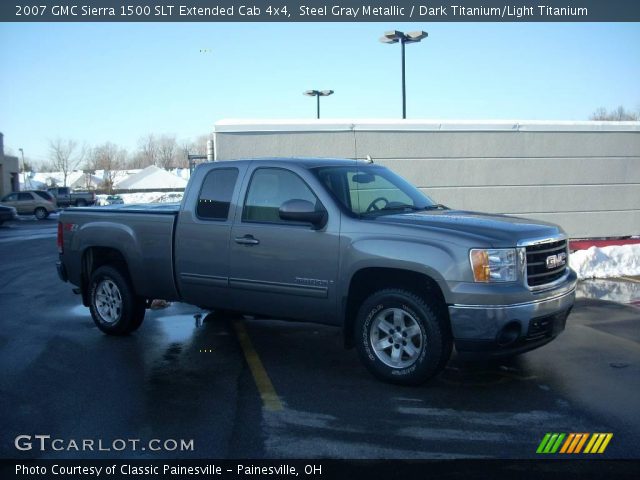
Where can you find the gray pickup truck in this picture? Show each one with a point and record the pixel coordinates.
(337, 242)
(65, 197)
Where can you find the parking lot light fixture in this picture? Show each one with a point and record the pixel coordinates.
(318, 94)
(395, 36)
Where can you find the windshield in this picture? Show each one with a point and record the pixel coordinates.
(372, 190)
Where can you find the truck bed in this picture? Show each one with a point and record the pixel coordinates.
(142, 234)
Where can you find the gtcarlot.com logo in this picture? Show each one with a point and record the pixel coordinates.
(573, 443)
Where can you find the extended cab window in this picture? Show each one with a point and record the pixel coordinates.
(216, 192)
(268, 190)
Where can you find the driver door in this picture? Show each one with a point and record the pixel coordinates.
(283, 268)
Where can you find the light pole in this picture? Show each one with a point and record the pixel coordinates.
(394, 36)
(318, 94)
(24, 169)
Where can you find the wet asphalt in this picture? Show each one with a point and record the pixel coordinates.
(179, 378)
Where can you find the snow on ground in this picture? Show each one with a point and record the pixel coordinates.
(606, 262)
(151, 197)
(619, 291)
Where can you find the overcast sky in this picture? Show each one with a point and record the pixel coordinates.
(117, 82)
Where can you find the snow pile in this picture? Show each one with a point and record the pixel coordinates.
(140, 197)
(606, 262)
(151, 178)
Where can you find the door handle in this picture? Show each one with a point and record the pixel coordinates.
(247, 240)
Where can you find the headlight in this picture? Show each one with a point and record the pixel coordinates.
(494, 265)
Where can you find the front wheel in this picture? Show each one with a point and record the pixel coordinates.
(115, 308)
(400, 338)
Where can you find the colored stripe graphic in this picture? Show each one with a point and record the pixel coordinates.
(550, 443)
(582, 442)
(598, 443)
(543, 443)
(572, 443)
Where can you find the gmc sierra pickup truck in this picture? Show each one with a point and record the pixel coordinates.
(338, 242)
(65, 197)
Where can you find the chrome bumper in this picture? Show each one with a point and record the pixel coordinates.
(510, 328)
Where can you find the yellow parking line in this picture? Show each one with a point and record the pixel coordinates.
(270, 398)
(635, 280)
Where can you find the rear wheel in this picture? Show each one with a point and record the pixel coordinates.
(115, 308)
(400, 338)
(41, 213)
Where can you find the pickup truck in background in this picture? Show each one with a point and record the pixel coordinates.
(337, 242)
(66, 197)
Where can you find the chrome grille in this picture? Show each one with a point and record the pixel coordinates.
(538, 274)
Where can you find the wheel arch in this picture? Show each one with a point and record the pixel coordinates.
(96, 257)
(369, 280)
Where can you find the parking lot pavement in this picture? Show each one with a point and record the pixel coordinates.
(27, 227)
(177, 378)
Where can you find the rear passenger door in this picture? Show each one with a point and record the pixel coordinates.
(26, 203)
(282, 268)
(202, 238)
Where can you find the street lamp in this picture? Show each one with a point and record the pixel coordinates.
(24, 169)
(318, 94)
(394, 36)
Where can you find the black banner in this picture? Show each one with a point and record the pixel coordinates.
(320, 11)
(318, 469)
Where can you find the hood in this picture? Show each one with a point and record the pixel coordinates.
(498, 230)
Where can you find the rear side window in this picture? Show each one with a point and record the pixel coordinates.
(215, 195)
(24, 197)
(46, 195)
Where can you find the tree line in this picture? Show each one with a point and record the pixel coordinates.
(164, 151)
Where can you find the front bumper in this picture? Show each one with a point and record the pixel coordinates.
(498, 330)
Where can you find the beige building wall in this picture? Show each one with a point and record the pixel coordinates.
(584, 176)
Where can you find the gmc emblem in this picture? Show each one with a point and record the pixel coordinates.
(555, 261)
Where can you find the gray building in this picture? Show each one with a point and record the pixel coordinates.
(584, 176)
(9, 171)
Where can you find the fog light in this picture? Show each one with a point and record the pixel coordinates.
(509, 334)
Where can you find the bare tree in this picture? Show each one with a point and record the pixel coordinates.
(167, 149)
(109, 158)
(618, 114)
(147, 153)
(65, 156)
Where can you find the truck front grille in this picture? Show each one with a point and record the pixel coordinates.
(539, 272)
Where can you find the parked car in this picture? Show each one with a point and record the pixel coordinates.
(67, 197)
(31, 202)
(331, 241)
(7, 213)
(114, 200)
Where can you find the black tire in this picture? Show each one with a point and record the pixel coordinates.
(41, 213)
(419, 333)
(81, 203)
(106, 314)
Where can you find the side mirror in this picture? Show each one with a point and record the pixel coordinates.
(297, 210)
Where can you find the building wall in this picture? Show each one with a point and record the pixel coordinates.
(584, 176)
(9, 171)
